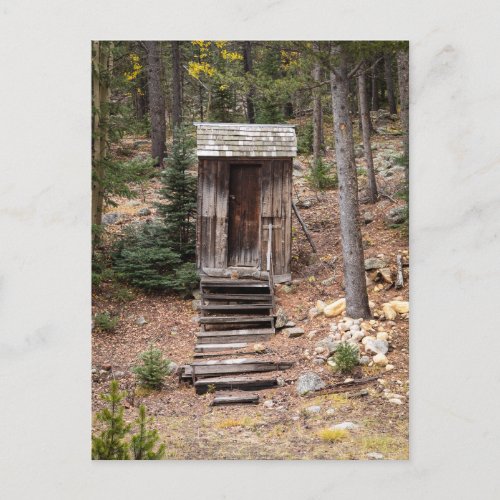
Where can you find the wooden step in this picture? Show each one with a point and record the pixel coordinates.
(255, 297)
(211, 320)
(236, 307)
(221, 282)
(241, 383)
(211, 368)
(219, 347)
(234, 397)
(230, 336)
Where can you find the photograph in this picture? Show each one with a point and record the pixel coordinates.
(250, 250)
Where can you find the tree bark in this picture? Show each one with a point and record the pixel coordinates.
(375, 101)
(317, 111)
(389, 83)
(248, 68)
(101, 67)
(403, 82)
(176, 85)
(156, 102)
(352, 249)
(365, 130)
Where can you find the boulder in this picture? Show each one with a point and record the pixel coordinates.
(281, 318)
(380, 360)
(400, 306)
(111, 218)
(377, 346)
(313, 409)
(140, 321)
(374, 263)
(144, 211)
(368, 217)
(259, 348)
(293, 332)
(348, 426)
(396, 215)
(388, 311)
(309, 382)
(334, 309)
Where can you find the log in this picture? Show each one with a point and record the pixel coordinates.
(341, 386)
(304, 227)
(399, 277)
(241, 383)
(234, 397)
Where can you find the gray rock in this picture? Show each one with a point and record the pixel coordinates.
(268, 404)
(293, 332)
(374, 263)
(375, 456)
(298, 165)
(280, 381)
(290, 324)
(349, 426)
(196, 305)
(364, 360)
(111, 218)
(140, 321)
(172, 368)
(309, 382)
(395, 401)
(281, 318)
(196, 294)
(118, 374)
(330, 345)
(313, 409)
(318, 361)
(144, 211)
(377, 346)
(368, 217)
(330, 412)
(329, 281)
(396, 215)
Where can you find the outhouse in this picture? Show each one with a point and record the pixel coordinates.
(244, 186)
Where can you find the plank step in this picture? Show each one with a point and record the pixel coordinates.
(234, 397)
(211, 368)
(235, 319)
(219, 347)
(234, 284)
(257, 297)
(249, 331)
(231, 336)
(241, 383)
(236, 307)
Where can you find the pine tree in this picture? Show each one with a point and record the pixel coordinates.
(179, 192)
(143, 443)
(109, 444)
(153, 369)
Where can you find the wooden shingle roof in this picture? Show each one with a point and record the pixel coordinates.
(244, 139)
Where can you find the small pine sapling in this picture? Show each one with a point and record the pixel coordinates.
(346, 357)
(143, 443)
(109, 444)
(153, 369)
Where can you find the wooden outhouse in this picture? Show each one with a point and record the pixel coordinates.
(244, 186)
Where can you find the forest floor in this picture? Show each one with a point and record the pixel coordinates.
(285, 428)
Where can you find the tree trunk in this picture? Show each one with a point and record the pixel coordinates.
(352, 249)
(101, 68)
(176, 85)
(365, 130)
(375, 102)
(317, 111)
(389, 83)
(156, 102)
(403, 81)
(248, 67)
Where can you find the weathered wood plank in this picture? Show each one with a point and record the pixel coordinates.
(257, 297)
(219, 347)
(221, 208)
(235, 397)
(235, 307)
(241, 383)
(212, 320)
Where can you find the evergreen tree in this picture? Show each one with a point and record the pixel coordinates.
(179, 192)
(109, 444)
(153, 369)
(143, 443)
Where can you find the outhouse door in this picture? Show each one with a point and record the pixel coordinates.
(244, 215)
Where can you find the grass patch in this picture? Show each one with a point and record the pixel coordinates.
(232, 422)
(381, 443)
(105, 322)
(333, 435)
(143, 392)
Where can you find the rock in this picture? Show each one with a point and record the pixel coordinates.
(140, 321)
(298, 165)
(386, 274)
(259, 348)
(309, 382)
(368, 338)
(334, 309)
(293, 332)
(331, 363)
(313, 312)
(396, 215)
(318, 361)
(290, 324)
(395, 401)
(330, 412)
(143, 212)
(357, 336)
(311, 334)
(368, 217)
(328, 281)
(196, 305)
(364, 360)
(374, 263)
(400, 306)
(329, 345)
(355, 327)
(380, 360)
(268, 404)
(118, 374)
(348, 380)
(288, 289)
(111, 218)
(320, 349)
(375, 456)
(388, 368)
(320, 306)
(388, 311)
(377, 346)
(103, 372)
(383, 336)
(172, 368)
(313, 409)
(196, 294)
(281, 318)
(348, 426)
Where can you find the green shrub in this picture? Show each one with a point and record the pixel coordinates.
(321, 176)
(144, 441)
(153, 369)
(105, 322)
(122, 294)
(346, 357)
